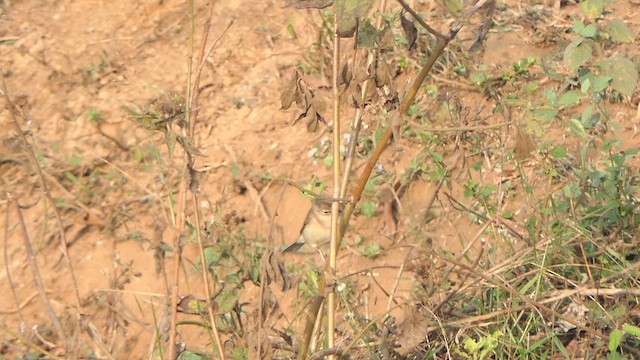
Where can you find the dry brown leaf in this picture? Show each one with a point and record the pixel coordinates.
(409, 29)
(386, 40)
(273, 270)
(289, 91)
(383, 74)
(524, 144)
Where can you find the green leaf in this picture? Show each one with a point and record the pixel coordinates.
(575, 55)
(369, 251)
(368, 208)
(586, 115)
(189, 355)
(212, 255)
(585, 31)
(619, 31)
(585, 85)
(614, 339)
(138, 155)
(454, 6)
(601, 83)
(74, 160)
(227, 299)
(633, 330)
(73, 178)
(592, 8)
(577, 128)
(569, 98)
(558, 152)
(328, 160)
(546, 114)
(623, 73)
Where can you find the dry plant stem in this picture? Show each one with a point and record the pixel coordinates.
(397, 282)
(357, 123)
(312, 314)
(6, 266)
(31, 257)
(335, 208)
(422, 22)
(203, 60)
(192, 115)
(181, 207)
(461, 128)
(45, 190)
(192, 88)
(408, 99)
(353, 140)
(205, 278)
(366, 173)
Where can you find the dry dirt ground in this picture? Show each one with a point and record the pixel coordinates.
(76, 66)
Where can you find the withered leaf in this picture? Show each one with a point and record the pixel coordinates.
(486, 14)
(409, 29)
(288, 91)
(273, 270)
(299, 117)
(524, 144)
(308, 4)
(395, 121)
(318, 104)
(307, 96)
(456, 163)
(313, 120)
(383, 74)
(385, 40)
(391, 99)
(345, 75)
(194, 179)
(361, 74)
(348, 12)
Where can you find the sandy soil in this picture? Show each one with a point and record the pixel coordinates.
(75, 66)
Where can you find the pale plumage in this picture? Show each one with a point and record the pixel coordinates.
(316, 229)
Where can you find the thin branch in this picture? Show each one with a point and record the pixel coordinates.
(421, 21)
(182, 199)
(45, 191)
(8, 270)
(205, 278)
(33, 264)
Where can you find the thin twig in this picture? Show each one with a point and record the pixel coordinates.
(8, 271)
(421, 21)
(205, 278)
(45, 191)
(33, 264)
(181, 205)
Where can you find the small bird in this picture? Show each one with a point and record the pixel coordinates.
(316, 229)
